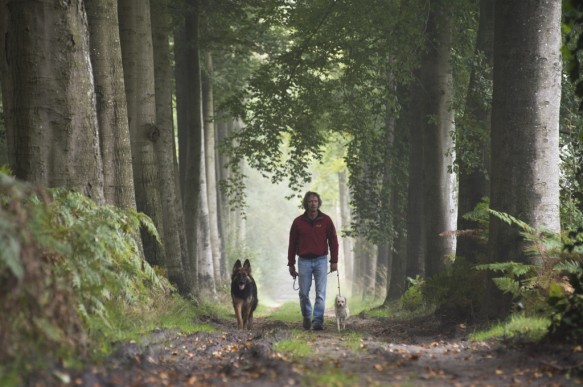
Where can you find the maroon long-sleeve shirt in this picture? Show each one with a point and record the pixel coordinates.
(311, 238)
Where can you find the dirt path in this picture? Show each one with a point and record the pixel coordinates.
(370, 352)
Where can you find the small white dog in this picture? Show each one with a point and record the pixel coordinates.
(342, 312)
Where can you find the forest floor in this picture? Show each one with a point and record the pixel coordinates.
(371, 351)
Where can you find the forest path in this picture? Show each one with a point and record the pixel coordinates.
(370, 352)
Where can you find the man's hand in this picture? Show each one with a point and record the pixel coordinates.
(293, 272)
(333, 267)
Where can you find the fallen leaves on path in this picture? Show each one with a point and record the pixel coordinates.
(389, 353)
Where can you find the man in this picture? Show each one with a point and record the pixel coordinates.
(310, 237)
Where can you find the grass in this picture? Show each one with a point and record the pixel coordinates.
(288, 312)
(296, 347)
(127, 322)
(531, 328)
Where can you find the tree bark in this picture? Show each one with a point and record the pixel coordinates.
(183, 101)
(211, 168)
(416, 218)
(49, 98)
(165, 147)
(525, 128)
(138, 65)
(473, 175)
(112, 113)
(347, 242)
(439, 124)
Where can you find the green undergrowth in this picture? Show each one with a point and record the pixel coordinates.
(517, 326)
(297, 347)
(73, 281)
(288, 312)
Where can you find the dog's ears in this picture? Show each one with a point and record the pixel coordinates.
(247, 265)
(237, 265)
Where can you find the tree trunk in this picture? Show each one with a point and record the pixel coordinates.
(191, 134)
(165, 147)
(207, 272)
(347, 242)
(49, 98)
(525, 128)
(438, 126)
(112, 114)
(138, 66)
(184, 99)
(211, 168)
(474, 163)
(416, 218)
(397, 284)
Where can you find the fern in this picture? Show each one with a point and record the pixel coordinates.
(76, 259)
(511, 220)
(10, 251)
(508, 285)
(569, 266)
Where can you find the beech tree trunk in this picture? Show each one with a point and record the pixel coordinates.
(138, 66)
(211, 168)
(345, 216)
(416, 218)
(438, 114)
(166, 148)
(525, 128)
(474, 163)
(112, 113)
(49, 100)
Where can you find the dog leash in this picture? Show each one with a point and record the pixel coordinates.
(337, 276)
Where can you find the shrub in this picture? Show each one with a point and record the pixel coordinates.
(63, 259)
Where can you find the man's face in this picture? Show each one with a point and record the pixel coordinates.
(313, 203)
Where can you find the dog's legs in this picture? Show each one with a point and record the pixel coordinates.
(247, 316)
(238, 314)
(338, 323)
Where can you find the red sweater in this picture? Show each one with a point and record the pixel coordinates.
(311, 238)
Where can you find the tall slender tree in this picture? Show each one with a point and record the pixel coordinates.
(438, 116)
(138, 67)
(165, 148)
(211, 166)
(473, 145)
(112, 112)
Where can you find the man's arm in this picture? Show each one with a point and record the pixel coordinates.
(291, 250)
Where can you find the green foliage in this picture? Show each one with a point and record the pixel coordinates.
(69, 263)
(565, 296)
(288, 312)
(530, 328)
(480, 214)
(520, 280)
(552, 290)
(455, 292)
(413, 298)
(297, 347)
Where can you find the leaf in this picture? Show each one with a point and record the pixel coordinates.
(10, 255)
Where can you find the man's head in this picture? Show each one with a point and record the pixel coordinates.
(310, 195)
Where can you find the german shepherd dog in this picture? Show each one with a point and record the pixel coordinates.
(243, 294)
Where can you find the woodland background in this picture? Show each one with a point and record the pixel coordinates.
(156, 142)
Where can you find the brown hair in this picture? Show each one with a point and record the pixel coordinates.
(306, 197)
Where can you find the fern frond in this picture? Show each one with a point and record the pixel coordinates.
(510, 220)
(508, 285)
(10, 251)
(569, 266)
